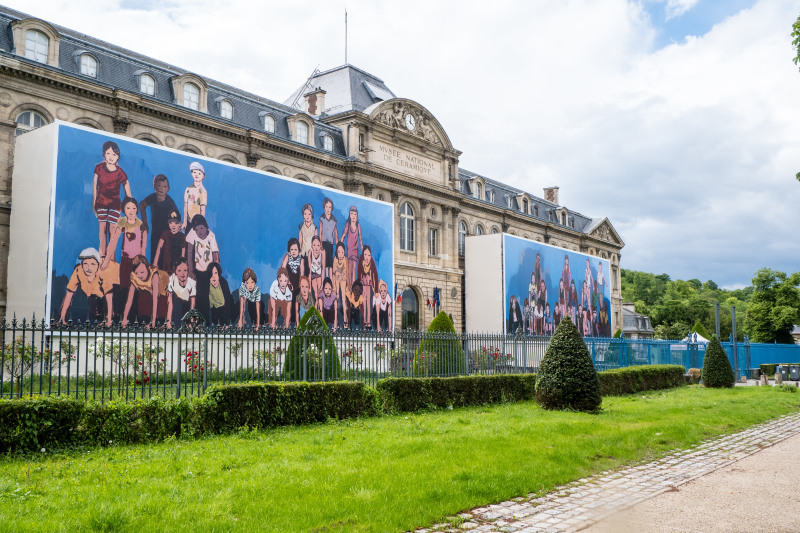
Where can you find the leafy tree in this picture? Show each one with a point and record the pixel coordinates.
(717, 371)
(710, 285)
(567, 378)
(775, 306)
(440, 354)
(312, 349)
(700, 329)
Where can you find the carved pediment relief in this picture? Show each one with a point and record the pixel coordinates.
(411, 119)
(605, 232)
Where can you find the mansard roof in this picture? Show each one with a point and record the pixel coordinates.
(347, 88)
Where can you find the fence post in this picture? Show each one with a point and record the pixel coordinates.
(733, 339)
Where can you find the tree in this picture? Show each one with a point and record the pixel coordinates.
(311, 352)
(717, 371)
(775, 306)
(567, 378)
(700, 329)
(440, 353)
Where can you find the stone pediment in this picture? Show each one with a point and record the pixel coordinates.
(410, 118)
(604, 231)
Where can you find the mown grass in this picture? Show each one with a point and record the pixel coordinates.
(382, 474)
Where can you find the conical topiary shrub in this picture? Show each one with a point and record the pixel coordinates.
(311, 354)
(567, 378)
(440, 354)
(717, 371)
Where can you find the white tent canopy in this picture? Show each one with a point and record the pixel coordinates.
(695, 338)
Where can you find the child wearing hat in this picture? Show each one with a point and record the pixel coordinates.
(195, 198)
(95, 284)
(171, 244)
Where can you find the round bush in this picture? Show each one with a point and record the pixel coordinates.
(567, 378)
(440, 354)
(311, 354)
(717, 371)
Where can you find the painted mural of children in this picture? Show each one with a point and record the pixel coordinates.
(201, 251)
(294, 264)
(316, 264)
(601, 280)
(341, 279)
(327, 304)
(586, 297)
(548, 320)
(329, 234)
(355, 298)
(542, 296)
(537, 270)
(129, 230)
(556, 316)
(250, 298)
(368, 275)
(280, 298)
(161, 207)
(108, 178)
(307, 229)
(527, 317)
(351, 236)
(587, 323)
(304, 300)
(151, 285)
(514, 315)
(532, 288)
(171, 244)
(573, 299)
(181, 292)
(565, 275)
(195, 197)
(538, 319)
(383, 308)
(96, 285)
(587, 275)
(220, 299)
(563, 296)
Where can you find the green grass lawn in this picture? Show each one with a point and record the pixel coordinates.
(381, 474)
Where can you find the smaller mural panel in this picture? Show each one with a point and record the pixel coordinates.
(543, 284)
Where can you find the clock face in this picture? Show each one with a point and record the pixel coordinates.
(410, 122)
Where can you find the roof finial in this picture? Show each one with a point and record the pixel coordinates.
(345, 33)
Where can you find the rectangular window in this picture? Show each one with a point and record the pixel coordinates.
(433, 242)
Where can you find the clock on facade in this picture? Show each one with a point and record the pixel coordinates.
(410, 122)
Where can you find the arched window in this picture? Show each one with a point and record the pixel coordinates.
(406, 227)
(410, 310)
(536, 210)
(269, 123)
(88, 65)
(191, 96)
(27, 121)
(489, 195)
(226, 109)
(327, 143)
(36, 45)
(462, 237)
(147, 84)
(495, 230)
(563, 218)
(525, 205)
(478, 190)
(478, 229)
(302, 133)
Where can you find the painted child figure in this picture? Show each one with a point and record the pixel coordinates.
(368, 275)
(181, 293)
(327, 304)
(161, 207)
(250, 298)
(355, 298)
(107, 180)
(128, 229)
(195, 197)
(351, 237)
(201, 251)
(383, 308)
(304, 300)
(171, 244)
(316, 264)
(280, 298)
(96, 285)
(151, 285)
(329, 234)
(341, 280)
(308, 230)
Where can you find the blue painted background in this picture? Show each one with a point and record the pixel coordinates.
(252, 214)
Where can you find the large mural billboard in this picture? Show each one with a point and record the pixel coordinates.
(543, 284)
(144, 233)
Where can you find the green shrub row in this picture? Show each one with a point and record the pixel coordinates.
(51, 422)
(414, 394)
(640, 378)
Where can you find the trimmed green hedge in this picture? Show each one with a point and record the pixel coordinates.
(48, 422)
(414, 394)
(768, 369)
(640, 378)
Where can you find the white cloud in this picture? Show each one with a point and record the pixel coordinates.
(690, 150)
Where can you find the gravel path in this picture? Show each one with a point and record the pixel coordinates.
(675, 493)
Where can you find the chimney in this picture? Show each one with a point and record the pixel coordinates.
(629, 306)
(551, 194)
(315, 102)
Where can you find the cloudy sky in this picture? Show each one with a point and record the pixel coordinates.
(677, 119)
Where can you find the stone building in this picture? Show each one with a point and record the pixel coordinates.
(342, 128)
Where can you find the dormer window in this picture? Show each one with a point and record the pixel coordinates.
(269, 123)
(489, 195)
(536, 210)
(508, 202)
(88, 65)
(302, 133)
(191, 96)
(147, 84)
(564, 218)
(327, 143)
(525, 205)
(226, 109)
(478, 190)
(36, 46)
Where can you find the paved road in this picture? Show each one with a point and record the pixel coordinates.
(746, 481)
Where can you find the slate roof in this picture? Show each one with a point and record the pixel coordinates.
(348, 88)
(635, 322)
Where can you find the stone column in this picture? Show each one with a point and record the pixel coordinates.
(422, 240)
(445, 245)
(454, 234)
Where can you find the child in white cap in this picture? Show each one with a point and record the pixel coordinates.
(95, 284)
(195, 198)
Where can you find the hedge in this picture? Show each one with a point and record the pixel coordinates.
(414, 394)
(50, 422)
(640, 378)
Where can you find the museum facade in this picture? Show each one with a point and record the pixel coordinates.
(342, 128)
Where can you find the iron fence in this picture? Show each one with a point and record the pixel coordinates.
(93, 362)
